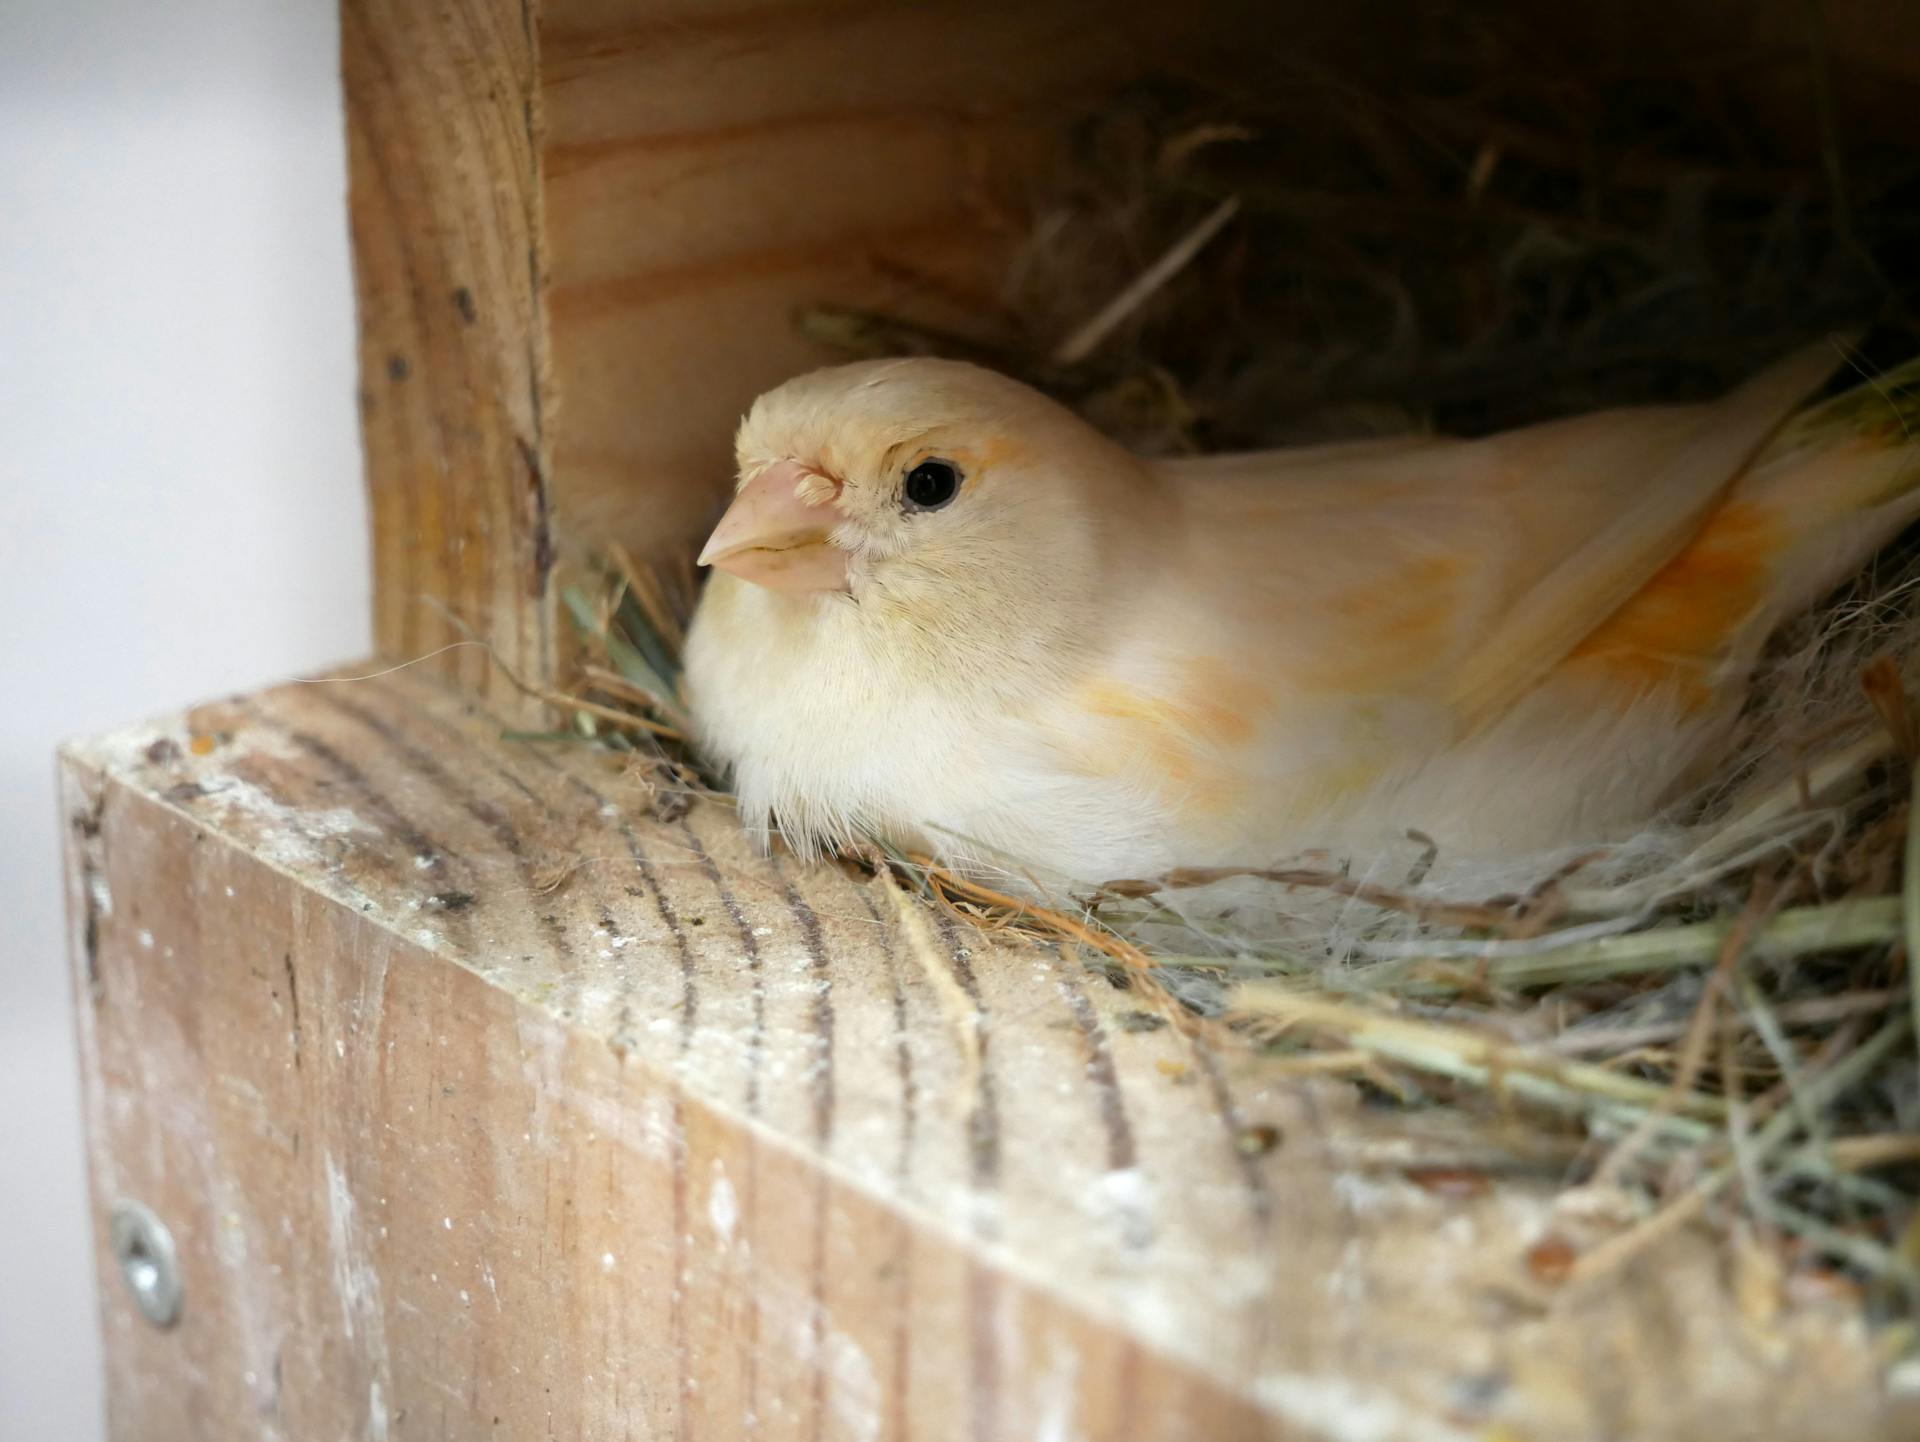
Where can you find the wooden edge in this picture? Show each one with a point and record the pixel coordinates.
(472, 1089)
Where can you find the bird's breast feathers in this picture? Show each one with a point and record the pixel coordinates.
(1123, 759)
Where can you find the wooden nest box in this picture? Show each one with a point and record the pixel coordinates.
(463, 1098)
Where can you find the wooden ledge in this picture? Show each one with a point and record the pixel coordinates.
(480, 1103)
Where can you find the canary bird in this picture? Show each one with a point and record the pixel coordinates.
(948, 614)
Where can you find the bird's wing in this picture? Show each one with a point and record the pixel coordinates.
(1460, 573)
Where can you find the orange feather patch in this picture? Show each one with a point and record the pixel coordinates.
(1391, 630)
(1685, 619)
(1179, 738)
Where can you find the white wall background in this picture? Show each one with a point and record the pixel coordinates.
(180, 507)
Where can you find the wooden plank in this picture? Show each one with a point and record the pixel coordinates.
(444, 203)
(483, 1103)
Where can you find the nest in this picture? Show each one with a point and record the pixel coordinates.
(1717, 1019)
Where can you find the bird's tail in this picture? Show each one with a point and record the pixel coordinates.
(1838, 480)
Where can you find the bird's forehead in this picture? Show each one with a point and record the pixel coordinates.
(871, 418)
(853, 441)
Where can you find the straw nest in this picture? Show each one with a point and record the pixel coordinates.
(1717, 1018)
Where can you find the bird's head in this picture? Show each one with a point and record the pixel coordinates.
(916, 481)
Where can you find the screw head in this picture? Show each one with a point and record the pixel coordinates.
(148, 1263)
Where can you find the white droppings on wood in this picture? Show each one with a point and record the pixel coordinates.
(287, 835)
(1123, 1199)
(356, 1285)
(353, 1281)
(853, 1392)
(806, 1332)
(723, 1210)
(1336, 1409)
(1346, 1283)
(544, 1049)
(377, 1421)
(1059, 1389)
(181, 1129)
(561, 1104)
(1368, 1196)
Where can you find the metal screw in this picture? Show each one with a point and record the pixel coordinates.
(148, 1263)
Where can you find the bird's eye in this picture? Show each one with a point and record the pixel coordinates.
(931, 484)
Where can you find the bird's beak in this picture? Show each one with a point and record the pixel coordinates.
(774, 538)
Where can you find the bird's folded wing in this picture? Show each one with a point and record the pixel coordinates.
(1461, 572)
(1680, 480)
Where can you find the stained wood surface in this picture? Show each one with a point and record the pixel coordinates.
(483, 1103)
(444, 205)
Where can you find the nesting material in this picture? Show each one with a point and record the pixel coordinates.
(1713, 1019)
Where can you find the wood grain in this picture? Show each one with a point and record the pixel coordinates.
(444, 198)
(481, 1103)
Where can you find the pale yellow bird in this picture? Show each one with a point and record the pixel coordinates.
(948, 613)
